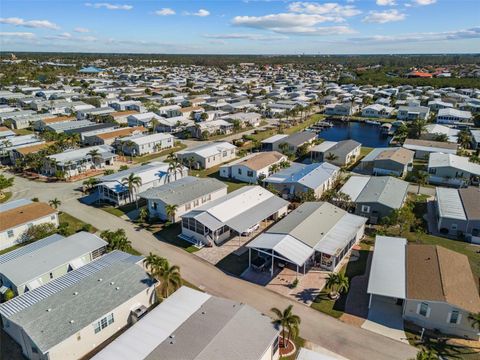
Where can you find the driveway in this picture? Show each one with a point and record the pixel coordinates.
(347, 340)
(385, 318)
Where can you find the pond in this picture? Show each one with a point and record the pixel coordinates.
(367, 134)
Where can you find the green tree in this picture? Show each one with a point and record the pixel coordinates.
(308, 195)
(5, 183)
(288, 322)
(152, 262)
(426, 355)
(337, 283)
(464, 139)
(37, 232)
(417, 128)
(302, 150)
(94, 155)
(284, 148)
(117, 240)
(171, 210)
(9, 295)
(55, 203)
(422, 179)
(168, 276)
(441, 137)
(132, 182)
(143, 214)
(474, 319)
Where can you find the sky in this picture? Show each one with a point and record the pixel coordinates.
(241, 26)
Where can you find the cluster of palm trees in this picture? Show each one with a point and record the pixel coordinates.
(168, 275)
(279, 166)
(132, 182)
(117, 240)
(175, 166)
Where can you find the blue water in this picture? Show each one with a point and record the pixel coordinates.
(366, 134)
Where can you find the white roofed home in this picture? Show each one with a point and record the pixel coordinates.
(377, 111)
(140, 144)
(33, 265)
(452, 116)
(208, 155)
(452, 170)
(114, 189)
(240, 213)
(143, 119)
(193, 325)
(254, 166)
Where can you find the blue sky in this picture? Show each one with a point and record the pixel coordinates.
(241, 26)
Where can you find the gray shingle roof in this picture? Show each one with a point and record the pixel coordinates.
(93, 299)
(183, 190)
(385, 190)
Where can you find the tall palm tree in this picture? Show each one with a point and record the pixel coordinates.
(464, 139)
(474, 320)
(117, 240)
(422, 178)
(55, 203)
(337, 283)
(171, 210)
(169, 277)
(274, 168)
(418, 126)
(288, 321)
(132, 182)
(331, 157)
(152, 262)
(94, 154)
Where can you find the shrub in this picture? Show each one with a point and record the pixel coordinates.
(87, 228)
(9, 294)
(37, 232)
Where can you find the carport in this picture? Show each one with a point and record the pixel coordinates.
(282, 247)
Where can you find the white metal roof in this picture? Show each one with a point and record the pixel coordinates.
(450, 204)
(454, 161)
(324, 146)
(306, 354)
(340, 234)
(142, 338)
(285, 245)
(354, 186)
(387, 272)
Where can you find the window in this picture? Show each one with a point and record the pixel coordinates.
(103, 323)
(423, 309)
(53, 217)
(154, 205)
(188, 206)
(51, 275)
(454, 227)
(454, 317)
(250, 173)
(365, 208)
(10, 233)
(240, 171)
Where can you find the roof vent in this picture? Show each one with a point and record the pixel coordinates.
(72, 321)
(100, 279)
(117, 288)
(172, 336)
(75, 293)
(204, 312)
(112, 282)
(49, 309)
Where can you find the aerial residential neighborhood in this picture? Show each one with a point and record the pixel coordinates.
(251, 180)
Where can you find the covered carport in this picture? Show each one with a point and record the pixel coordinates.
(387, 288)
(281, 247)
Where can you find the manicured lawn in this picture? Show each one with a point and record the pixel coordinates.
(351, 269)
(150, 157)
(73, 223)
(231, 183)
(122, 210)
(11, 248)
(22, 131)
(6, 196)
(169, 234)
(364, 151)
(112, 210)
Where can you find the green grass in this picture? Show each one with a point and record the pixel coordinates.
(6, 196)
(122, 210)
(351, 269)
(447, 350)
(22, 131)
(73, 223)
(112, 210)
(169, 234)
(11, 248)
(364, 151)
(150, 157)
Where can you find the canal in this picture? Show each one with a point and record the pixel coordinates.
(367, 134)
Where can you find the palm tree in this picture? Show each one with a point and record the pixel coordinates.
(418, 126)
(132, 182)
(94, 154)
(422, 178)
(274, 168)
(464, 139)
(284, 164)
(426, 355)
(152, 262)
(55, 203)
(190, 162)
(143, 214)
(169, 277)
(171, 209)
(90, 183)
(474, 320)
(344, 201)
(288, 322)
(154, 124)
(337, 283)
(284, 148)
(117, 240)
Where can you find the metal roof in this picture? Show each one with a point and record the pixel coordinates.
(450, 204)
(453, 161)
(385, 190)
(184, 190)
(354, 186)
(82, 295)
(155, 327)
(14, 204)
(388, 269)
(36, 259)
(284, 245)
(208, 150)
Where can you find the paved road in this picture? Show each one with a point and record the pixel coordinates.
(349, 341)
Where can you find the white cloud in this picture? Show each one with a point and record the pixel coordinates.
(424, 2)
(81, 30)
(38, 24)
(201, 13)
(301, 24)
(246, 36)
(471, 33)
(382, 17)
(69, 37)
(21, 35)
(109, 6)
(386, 2)
(165, 12)
(324, 9)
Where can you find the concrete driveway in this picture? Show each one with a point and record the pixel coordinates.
(385, 318)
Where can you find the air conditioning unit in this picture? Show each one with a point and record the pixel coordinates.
(138, 313)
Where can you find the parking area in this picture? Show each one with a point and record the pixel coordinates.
(385, 318)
